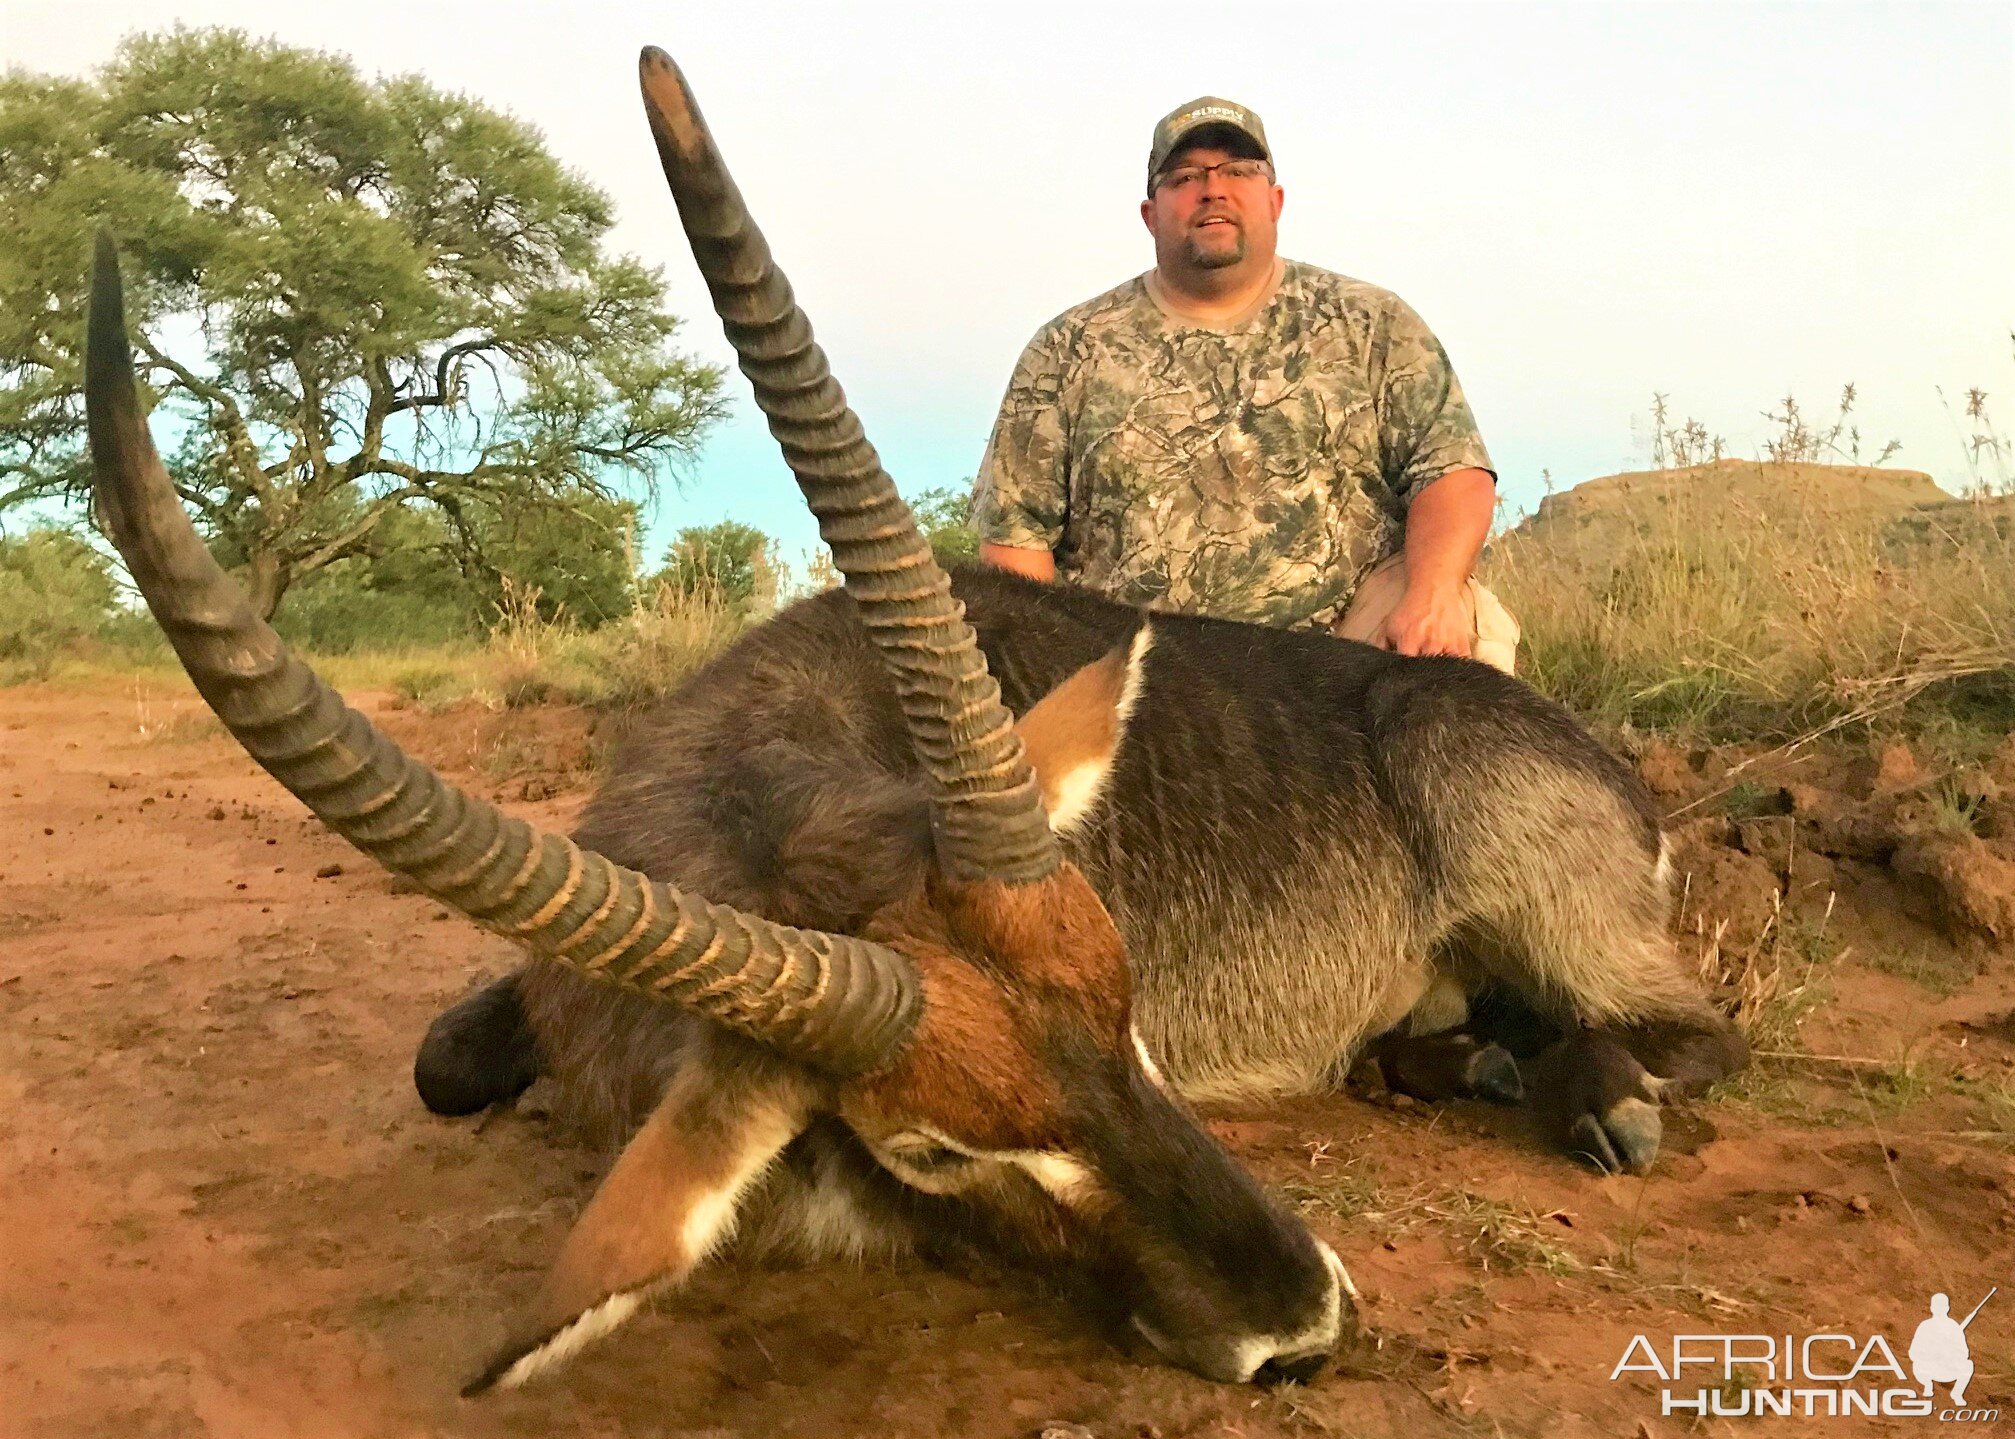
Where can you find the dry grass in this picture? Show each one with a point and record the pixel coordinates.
(1724, 620)
(527, 660)
(1769, 985)
(1495, 1235)
(631, 661)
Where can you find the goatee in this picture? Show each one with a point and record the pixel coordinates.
(1212, 258)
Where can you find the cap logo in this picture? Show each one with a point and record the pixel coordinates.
(1237, 117)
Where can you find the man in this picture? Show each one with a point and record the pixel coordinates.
(1245, 436)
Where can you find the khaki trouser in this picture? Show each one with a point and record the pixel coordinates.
(1379, 596)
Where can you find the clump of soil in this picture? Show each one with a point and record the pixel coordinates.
(1876, 830)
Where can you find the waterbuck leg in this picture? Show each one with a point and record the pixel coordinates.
(1458, 1065)
(1600, 1089)
(666, 1204)
(1598, 1101)
(1686, 1056)
(478, 1052)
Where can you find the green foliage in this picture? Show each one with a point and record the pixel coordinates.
(426, 581)
(731, 561)
(945, 517)
(54, 591)
(401, 299)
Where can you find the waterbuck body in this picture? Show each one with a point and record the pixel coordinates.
(895, 929)
(1305, 843)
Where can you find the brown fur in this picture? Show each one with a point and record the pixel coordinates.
(1075, 725)
(998, 962)
(1289, 841)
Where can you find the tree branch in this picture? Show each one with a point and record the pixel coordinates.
(335, 548)
(448, 357)
(244, 453)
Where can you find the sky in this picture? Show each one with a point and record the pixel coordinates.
(1589, 202)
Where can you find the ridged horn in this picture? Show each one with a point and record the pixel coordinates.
(986, 808)
(835, 1002)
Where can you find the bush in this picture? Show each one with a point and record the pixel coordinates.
(945, 517)
(730, 563)
(55, 592)
(344, 609)
(420, 586)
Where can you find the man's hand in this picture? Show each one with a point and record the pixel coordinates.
(1445, 529)
(1431, 620)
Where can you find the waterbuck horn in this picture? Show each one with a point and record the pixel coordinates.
(986, 808)
(838, 1003)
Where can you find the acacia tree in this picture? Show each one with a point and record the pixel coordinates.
(352, 295)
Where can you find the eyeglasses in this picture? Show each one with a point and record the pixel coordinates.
(1184, 176)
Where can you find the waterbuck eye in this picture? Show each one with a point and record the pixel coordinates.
(924, 1156)
(936, 1159)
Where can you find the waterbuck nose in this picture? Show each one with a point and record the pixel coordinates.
(1299, 1369)
(1277, 1357)
(1298, 1358)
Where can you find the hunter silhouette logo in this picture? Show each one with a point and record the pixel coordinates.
(1814, 1376)
(1938, 1352)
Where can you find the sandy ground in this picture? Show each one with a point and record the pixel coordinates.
(225, 1212)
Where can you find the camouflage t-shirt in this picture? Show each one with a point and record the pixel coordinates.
(1252, 473)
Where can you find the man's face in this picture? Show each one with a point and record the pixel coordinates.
(1213, 221)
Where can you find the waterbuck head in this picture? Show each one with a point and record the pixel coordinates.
(975, 1035)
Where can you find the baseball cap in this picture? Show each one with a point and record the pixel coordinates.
(1184, 120)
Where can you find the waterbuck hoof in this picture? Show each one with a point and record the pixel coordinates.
(1493, 1074)
(1623, 1141)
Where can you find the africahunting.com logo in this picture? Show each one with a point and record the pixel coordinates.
(1814, 1376)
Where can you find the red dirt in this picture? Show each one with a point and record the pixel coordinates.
(227, 1213)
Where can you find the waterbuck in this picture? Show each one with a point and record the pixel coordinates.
(851, 948)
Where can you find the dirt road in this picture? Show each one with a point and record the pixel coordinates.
(224, 1211)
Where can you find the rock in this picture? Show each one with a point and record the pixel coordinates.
(2002, 764)
(1728, 884)
(1770, 838)
(1808, 800)
(1697, 836)
(1812, 873)
(1056, 1429)
(1997, 818)
(1850, 833)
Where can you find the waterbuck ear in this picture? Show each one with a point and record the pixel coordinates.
(668, 1202)
(1073, 732)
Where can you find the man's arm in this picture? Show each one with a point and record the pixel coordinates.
(1446, 526)
(1036, 564)
(1018, 493)
(1436, 463)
